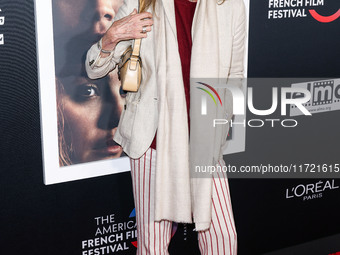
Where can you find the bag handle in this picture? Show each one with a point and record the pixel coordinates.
(136, 45)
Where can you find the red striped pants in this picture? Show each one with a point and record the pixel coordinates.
(154, 237)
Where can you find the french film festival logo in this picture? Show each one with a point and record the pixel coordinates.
(325, 96)
(111, 236)
(295, 97)
(284, 9)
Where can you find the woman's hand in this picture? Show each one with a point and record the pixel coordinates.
(129, 27)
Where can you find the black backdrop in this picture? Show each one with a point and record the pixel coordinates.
(39, 219)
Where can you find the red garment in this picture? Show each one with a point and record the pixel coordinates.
(184, 11)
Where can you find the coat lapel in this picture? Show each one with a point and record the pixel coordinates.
(169, 7)
(195, 18)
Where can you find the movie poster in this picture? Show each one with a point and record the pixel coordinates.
(79, 116)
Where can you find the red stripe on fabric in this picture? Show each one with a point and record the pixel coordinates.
(144, 203)
(231, 218)
(135, 187)
(228, 215)
(149, 199)
(226, 224)
(227, 186)
(228, 193)
(154, 237)
(206, 241)
(212, 223)
(164, 233)
(227, 190)
(203, 242)
(223, 217)
(139, 218)
(159, 239)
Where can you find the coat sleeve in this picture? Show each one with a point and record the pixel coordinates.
(97, 66)
(239, 36)
(236, 82)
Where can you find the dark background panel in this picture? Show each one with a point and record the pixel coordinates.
(39, 219)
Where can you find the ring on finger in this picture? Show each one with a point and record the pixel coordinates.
(144, 30)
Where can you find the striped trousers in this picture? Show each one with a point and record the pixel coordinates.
(153, 238)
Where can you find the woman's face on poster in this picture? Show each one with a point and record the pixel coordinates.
(91, 110)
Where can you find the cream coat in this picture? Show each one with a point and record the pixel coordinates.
(218, 35)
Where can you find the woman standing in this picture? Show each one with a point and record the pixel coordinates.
(181, 40)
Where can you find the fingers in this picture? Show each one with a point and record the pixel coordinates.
(145, 15)
(145, 28)
(141, 16)
(147, 22)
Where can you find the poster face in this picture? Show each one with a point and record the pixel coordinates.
(79, 116)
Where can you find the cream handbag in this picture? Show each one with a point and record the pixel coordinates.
(130, 68)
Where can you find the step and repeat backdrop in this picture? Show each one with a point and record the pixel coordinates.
(65, 186)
